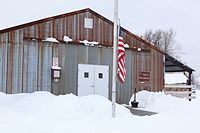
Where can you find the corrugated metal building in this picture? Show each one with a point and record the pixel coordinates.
(26, 60)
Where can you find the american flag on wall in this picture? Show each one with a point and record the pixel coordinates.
(121, 59)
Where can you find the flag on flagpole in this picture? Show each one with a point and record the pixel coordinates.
(121, 58)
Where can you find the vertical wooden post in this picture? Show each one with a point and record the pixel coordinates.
(189, 83)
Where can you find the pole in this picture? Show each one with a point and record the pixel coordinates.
(134, 94)
(114, 79)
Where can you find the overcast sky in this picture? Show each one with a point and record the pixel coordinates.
(136, 16)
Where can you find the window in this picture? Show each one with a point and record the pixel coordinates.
(86, 74)
(100, 75)
(88, 23)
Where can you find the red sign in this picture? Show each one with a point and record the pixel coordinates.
(144, 77)
(144, 74)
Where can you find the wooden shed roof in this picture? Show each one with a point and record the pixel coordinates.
(173, 65)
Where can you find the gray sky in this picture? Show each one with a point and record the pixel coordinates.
(136, 16)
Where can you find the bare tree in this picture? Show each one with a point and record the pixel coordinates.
(195, 79)
(164, 40)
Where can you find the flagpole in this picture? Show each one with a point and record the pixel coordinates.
(114, 79)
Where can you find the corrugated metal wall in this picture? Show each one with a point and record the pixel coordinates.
(73, 26)
(27, 68)
(25, 64)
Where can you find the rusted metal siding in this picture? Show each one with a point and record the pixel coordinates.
(73, 26)
(157, 71)
(72, 55)
(25, 60)
(27, 67)
(3, 67)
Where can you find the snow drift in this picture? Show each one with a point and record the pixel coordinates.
(42, 112)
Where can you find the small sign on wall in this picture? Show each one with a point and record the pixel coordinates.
(88, 23)
(143, 77)
(55, 61)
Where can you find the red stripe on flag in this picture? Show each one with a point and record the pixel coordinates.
(121, 60)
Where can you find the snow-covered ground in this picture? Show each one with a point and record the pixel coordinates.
(42, 112)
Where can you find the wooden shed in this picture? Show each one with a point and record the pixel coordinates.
(26, 58)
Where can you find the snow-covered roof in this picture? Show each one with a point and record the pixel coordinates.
(56, 67)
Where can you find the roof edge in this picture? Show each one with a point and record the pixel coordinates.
(42, 20)
(144, 41)
(133, 35)
(180, 64)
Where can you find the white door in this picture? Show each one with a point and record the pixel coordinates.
(85, 79)
(101, 80)
(93, 79)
